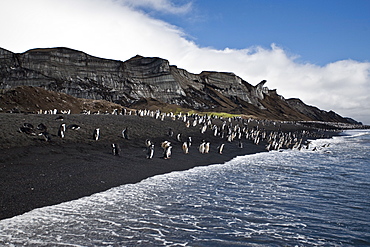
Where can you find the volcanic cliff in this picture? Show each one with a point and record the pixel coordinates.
(141, 80)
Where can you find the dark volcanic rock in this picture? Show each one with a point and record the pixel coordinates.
(315, 113)
(81, 75)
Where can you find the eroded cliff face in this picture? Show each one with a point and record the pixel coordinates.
(84, 76)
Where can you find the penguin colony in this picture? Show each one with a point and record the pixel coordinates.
(228, 130)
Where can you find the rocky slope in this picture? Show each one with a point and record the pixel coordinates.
(146, 79)
(29, 99)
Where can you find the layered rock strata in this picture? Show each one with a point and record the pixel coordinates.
(127, 83)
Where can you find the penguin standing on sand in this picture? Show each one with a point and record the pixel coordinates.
(206, 147)
(150, 151)
(215, 131)
(240, 144)
(189, 141)
(61, 130)
(220, 148)
(125, 134)
(96, 134)
(268, 147)
(203, 129)
(185, 148)
(166, 145)
(178, 137)
(170, 132)
(202, 147)
(167, 152)
(115, 149)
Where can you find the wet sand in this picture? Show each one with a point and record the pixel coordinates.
(35, 173)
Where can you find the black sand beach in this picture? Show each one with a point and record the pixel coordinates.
(35, 173)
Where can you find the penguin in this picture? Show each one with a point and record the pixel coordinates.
(27, 131)
(65, 112)
(42, 127)
(60, 118)
(150, 151)
(189, 141)
(308, 144)
(73, 127)
(202, 147)
(215, 131)
(165, 144)
(185, 148)
(240, 144)
(45, 135)
(220, 148)
(96, 134)
(268, 147)
(61, 130)
(178, 137)
(257, 141)
(206, 147)
(170, 132)
(239, 135)
(148, 143)
(229, 138)
(115, 149)
(300, 147)
(203, 129)
(167, 152)
(125, 133)
(195, 123)
(28, 125)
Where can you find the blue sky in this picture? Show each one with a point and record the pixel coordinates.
(317, 51)
(319, 32)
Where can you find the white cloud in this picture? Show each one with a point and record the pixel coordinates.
(114, 29)
(341, 86)
(165, 6)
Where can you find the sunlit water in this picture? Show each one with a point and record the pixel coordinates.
(290, 198)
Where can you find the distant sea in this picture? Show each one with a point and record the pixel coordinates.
(289, 198)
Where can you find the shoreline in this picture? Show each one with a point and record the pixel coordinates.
(35, 173)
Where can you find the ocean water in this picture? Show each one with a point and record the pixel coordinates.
(290, 198)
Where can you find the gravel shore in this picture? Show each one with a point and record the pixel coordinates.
(36, 173)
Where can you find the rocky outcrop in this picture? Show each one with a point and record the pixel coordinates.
(315, 114)
(127, 83)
